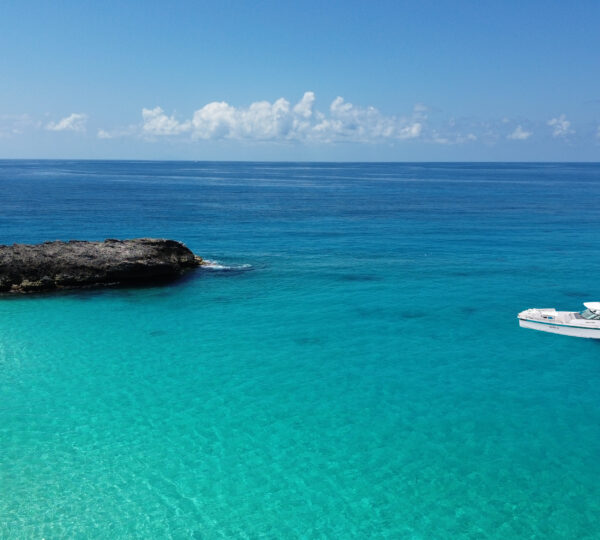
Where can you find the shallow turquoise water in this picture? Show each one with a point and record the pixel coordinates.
(364, 377)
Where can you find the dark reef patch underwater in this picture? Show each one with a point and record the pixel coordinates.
(366, 378)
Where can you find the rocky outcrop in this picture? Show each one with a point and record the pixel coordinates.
(64, 265)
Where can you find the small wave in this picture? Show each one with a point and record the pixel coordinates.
(213, 265)
(217, 265)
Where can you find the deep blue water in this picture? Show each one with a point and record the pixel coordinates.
(358, 372)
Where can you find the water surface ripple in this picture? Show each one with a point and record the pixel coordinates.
(357, 372)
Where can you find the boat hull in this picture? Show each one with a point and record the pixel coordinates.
(563, 329)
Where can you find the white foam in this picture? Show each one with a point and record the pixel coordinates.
(213, 265)
(216, 265)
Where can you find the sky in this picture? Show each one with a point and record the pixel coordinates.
(300, 81)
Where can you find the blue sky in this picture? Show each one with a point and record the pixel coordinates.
(393, 81)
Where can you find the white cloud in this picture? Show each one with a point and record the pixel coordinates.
(156, 122)
(280, 121)
(73, 122)
(214, 121)
(348, 122)
(304, 107)
(261, 121)
(264, 121)
(561, 127)
(519, 134)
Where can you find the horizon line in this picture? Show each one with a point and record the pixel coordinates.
(138, 160)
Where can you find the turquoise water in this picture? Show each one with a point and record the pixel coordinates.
(355, 371)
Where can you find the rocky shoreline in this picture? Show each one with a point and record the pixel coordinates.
(26, 268)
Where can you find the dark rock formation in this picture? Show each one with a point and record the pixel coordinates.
(64, 265)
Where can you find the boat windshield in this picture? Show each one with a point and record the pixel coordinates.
(589, 314)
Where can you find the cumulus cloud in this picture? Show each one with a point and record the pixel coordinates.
(73, 122)
(214, 121)
(156, 122)
(561, 127)
(260, 121)
(519, 134)
(348, 122)
(282, 121)
(304, 107)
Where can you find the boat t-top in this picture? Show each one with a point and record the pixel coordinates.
(585, 324)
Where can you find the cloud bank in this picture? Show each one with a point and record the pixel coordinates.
(282, 121)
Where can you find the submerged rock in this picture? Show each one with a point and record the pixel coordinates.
(65, 265)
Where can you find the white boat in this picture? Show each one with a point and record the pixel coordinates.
(585, 324)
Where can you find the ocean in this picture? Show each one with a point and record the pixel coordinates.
(350, 367)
